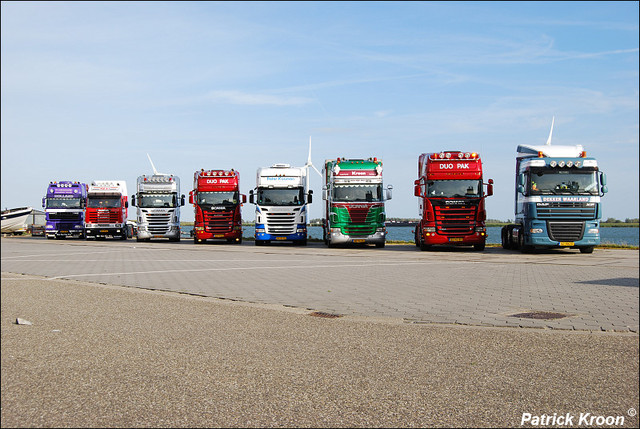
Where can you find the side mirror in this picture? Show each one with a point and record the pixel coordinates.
(244, 198)
(521, 179)
(325, 194)
(521, 189)
(251, 199)
(182, 200)
(133, 200)
(42, 201)
(190, 197)
(490, 188)
(126, 204)
(388, 193)
(310, 197)
(603, 179)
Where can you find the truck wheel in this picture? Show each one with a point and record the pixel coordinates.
(425, 246)
(380, 245)
(505, 237)
(586, 249)
(479, 247)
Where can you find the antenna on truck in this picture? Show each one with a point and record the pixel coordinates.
(551, 131)
(155, 172)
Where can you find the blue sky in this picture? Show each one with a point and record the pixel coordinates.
(88, 89)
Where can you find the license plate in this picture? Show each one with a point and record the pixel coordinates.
(455, 239)
(157, 236)
(64, 232)
(218, 235)
(104, 230)
(566, 243)
(281, 238)
(359, 240)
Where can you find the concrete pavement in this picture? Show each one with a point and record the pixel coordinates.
(107, 355)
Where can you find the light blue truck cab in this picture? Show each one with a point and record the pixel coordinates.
(557, 199)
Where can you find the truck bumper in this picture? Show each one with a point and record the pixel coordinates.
(172, 234)
(230, 235)
(299, 235)
(116, 231)
(537, 235)
(337, 237)
(432, 238)
(63, 231)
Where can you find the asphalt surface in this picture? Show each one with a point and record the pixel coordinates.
(106, 353)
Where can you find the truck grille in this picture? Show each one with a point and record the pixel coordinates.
(281, 223)
(65, 216)
(363, 221)
(158, 222)
(102, 217)
(565, 231)
(455, 220)
(218, 222)
(567, 210)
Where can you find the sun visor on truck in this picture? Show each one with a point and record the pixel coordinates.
(105, 195)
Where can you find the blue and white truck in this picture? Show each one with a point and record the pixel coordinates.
(557, 199)
(281, 197)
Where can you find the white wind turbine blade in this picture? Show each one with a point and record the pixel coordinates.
(155, 172)
(309, 163)
(551, 131)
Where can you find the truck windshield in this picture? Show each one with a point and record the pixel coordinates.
(365, 193)
(106, 202)
(454, 188)
(553, 182)
(217, 198)
(64, 203)
(156, 200)
(280, 197)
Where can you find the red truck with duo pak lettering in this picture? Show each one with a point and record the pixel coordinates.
(451, 200)
(217, 201)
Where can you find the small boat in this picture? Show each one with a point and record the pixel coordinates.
(14, 220)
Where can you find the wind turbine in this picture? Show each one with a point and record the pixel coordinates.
(155, 172)
(551, 131)
(309, 164)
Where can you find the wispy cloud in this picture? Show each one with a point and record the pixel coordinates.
(255, 99)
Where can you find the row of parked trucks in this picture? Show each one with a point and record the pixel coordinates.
(557, 203)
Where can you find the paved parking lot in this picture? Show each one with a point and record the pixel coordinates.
(560, 289)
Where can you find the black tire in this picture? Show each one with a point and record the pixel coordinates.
(479, 247)
(503, 236)
(380, 245)
(586, 249)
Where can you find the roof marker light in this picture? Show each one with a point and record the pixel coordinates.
(553, 163)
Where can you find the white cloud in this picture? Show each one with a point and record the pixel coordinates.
(255, 99)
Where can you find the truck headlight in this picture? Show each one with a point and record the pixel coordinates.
(301, 230)
(430, 229)
(593, 231)
(259, 229)
(535, 230)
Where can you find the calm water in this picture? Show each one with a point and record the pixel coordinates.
(620, 236)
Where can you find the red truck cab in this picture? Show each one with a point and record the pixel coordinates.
(451, 200)
(217, 203)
